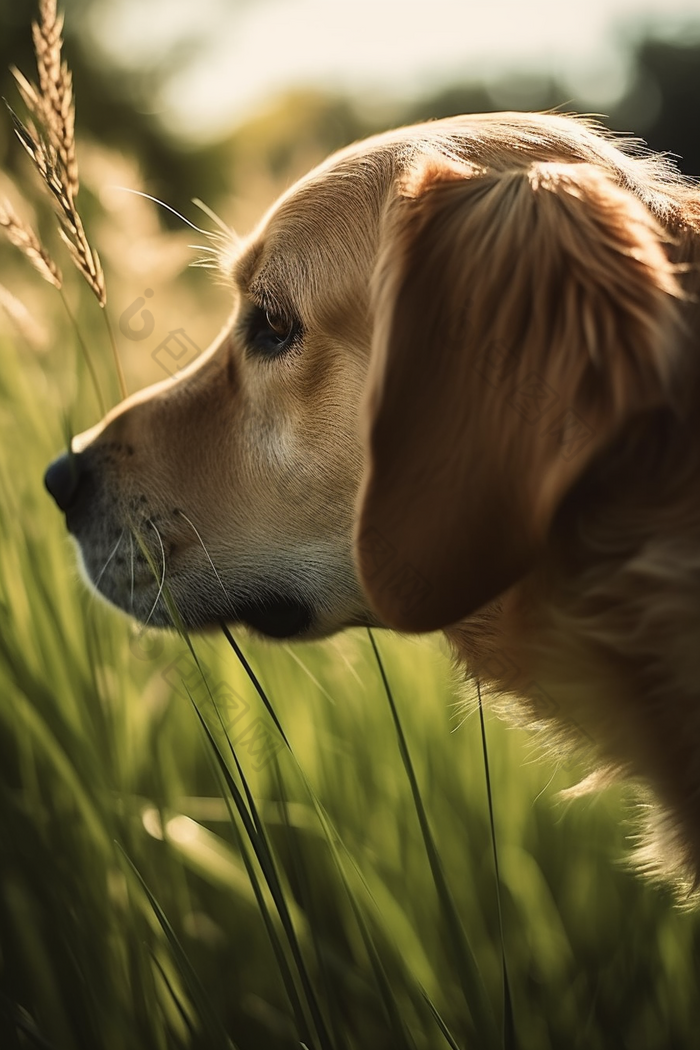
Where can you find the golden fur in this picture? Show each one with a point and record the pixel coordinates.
(513, 300)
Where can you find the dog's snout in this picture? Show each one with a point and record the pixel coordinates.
(63, 479)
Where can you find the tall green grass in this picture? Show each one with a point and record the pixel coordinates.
(166, 880)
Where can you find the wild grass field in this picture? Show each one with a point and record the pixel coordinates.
(155, 893)
(274, 847)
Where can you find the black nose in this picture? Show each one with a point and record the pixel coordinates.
(62, 479)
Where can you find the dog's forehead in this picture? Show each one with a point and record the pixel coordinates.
(328, 223)
(325, 226)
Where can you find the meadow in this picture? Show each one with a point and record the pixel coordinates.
(219, 842)
(169, 881)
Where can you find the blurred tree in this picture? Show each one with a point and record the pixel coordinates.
(114, 105)
(523, 92)
(663, 101)
(117, 102)
(297, 128)
(661, 104)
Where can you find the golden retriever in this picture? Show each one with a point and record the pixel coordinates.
(459, 390)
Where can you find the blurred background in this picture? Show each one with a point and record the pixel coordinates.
(210, 98)
(145, 899)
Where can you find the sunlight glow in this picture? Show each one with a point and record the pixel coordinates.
(237, 56)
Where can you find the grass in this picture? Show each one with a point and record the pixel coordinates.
(163, 885)
(221, 843)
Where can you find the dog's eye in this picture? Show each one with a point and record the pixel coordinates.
(271, 334)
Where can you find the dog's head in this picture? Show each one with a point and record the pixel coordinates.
(432, 336)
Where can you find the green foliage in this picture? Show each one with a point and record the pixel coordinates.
(162, 883)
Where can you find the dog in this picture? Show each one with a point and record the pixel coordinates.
(459, 391)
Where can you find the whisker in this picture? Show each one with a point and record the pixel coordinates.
(131, 592)
(162, 581)
(205, 264)
(226, 230)
(196, 532)
(115, 548)
(213, 255)
(162, 204)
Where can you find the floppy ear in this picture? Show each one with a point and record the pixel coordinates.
(521, 317)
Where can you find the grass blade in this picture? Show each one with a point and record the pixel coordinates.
(401, 1034)
(509, 1033)
(22, 1022)
(213, 1027)
(230, 790)
(470, 977)
(308, 903)
(449, 1038)
(182, 1012)
(259, 840)
(256, 684)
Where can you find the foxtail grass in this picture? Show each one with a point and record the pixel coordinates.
(48, 138)
(22, 236)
